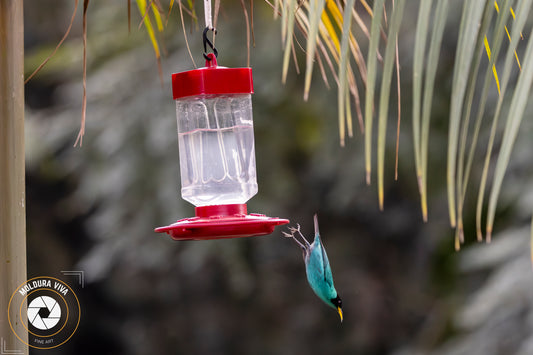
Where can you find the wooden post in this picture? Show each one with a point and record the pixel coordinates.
(12, 198)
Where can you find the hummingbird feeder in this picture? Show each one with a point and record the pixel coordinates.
(217, 155)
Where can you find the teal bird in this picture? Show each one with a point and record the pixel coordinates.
(317, 267)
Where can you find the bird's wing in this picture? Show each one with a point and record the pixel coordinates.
(315, 270)
(326, 269)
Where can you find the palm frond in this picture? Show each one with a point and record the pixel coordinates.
(465, 119)
(246, 17)
(67, 32)
(514, 118)
(468, 33)
(421, 123)
(328, 27)
(316, 7)
(463, 169)
(287, 33)
(390, 56)
(144, 9)
(371, 66)
(180, 6)
(79, 138)
(418, 65)
(343, 93)
(321, 21)
(516, 34)
(156, 10)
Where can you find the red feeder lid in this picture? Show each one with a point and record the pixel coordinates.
(212, 79)
(222, 221)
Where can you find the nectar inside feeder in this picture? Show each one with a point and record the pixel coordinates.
(217, 155)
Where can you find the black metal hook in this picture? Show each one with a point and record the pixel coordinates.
(207, 42)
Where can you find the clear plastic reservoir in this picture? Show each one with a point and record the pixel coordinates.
(216, 146)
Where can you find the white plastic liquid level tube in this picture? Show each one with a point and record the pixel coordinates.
(216, 146)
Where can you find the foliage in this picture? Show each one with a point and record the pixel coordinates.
(331, 41)
(476, 27)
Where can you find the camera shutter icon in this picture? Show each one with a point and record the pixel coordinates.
(44, 312)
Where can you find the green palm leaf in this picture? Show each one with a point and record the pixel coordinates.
(441, 13)
(343, 93)
(390, 55)
(514, 118)
(315, 11)
(418, 65)
(468, 32)
(287, 33)
(371, 66)
(463, 171)
(476, 22)
(523, 10)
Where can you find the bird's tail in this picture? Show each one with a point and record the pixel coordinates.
(315, 218)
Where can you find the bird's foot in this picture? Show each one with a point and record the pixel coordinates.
(287, 235)
(297, 230)
(293, 231)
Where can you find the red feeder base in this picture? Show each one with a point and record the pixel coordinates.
(222, 221)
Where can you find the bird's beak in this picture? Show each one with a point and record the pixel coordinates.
(340, 312)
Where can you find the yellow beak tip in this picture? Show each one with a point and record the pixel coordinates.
(340, 313)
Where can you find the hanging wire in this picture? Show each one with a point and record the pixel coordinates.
(207, 14)
(208, 27)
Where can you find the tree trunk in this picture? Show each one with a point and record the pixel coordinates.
(12, 198)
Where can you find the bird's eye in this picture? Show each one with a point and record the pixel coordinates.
(337, 301)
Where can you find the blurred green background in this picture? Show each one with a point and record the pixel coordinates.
(404, 288)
